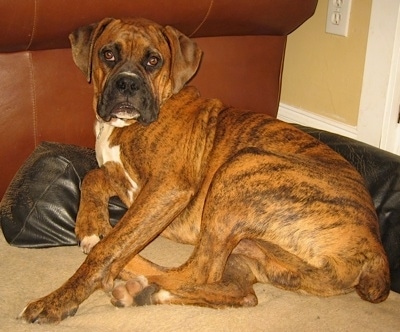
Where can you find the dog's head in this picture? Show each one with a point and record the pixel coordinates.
(135, 65)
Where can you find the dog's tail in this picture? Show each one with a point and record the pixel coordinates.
(374, 282)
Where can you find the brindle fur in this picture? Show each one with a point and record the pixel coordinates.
(260, 200)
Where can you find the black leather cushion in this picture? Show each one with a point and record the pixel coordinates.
(40, 205)
(381, 171)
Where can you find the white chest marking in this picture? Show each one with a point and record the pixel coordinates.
(105, 153)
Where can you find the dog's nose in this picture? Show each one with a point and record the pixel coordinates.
(127, 85)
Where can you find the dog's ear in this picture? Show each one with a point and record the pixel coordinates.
(185, 57)
(82, 44)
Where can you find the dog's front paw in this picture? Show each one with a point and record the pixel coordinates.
(89, 242)
(50, 309)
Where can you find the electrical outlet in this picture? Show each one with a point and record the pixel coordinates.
(338, 17)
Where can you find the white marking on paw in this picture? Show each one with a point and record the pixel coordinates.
(162, 296)
(89, 242)
(142, 280)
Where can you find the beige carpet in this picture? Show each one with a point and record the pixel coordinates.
(30, 273)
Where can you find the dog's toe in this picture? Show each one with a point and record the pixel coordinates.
(250, 300)
(121, 297)
(89, 242)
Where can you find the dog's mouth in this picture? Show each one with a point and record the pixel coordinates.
(124, 111)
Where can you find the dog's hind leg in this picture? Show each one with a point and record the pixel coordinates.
(235, 289)
(227, 219)
(336, 276)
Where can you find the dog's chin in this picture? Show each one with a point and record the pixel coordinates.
(117, 122)
(123, 117)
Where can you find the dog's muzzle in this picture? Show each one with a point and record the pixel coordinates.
(128, 98)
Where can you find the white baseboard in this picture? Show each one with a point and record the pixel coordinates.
(294, 115)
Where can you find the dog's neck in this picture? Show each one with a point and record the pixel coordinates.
(98, 128)
(103, 132)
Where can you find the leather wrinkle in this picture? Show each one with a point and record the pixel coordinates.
(45, 192)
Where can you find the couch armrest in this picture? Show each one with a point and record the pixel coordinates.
(34, 25)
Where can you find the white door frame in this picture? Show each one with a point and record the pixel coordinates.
(380, 96)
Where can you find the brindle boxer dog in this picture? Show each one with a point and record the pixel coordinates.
(260, 200)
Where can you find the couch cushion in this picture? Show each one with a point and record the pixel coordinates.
(41, 203)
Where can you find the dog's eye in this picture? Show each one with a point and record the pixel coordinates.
(153, 61)
(109, 55)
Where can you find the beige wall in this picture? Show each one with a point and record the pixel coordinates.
(323, 72)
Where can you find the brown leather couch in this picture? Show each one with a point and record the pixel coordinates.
(44, 97)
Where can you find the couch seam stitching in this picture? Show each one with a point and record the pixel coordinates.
(33, 97)
(204, 19)
(33, 26)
